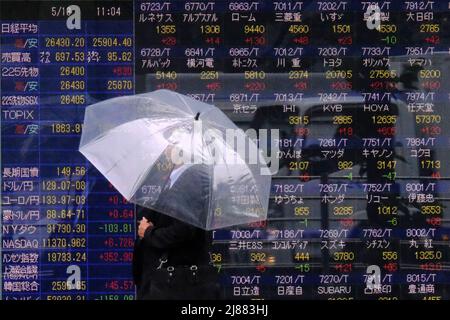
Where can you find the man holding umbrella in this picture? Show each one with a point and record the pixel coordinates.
(132, 141)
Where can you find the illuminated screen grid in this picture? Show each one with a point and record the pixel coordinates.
(358, 90)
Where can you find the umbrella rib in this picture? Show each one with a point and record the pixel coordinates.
(250, 171)
(213, 121)
(230, 179)
(184, 102)
(208, 216)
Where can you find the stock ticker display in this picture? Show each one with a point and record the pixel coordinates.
(360, 94)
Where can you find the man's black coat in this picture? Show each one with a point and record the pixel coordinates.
(184, 244)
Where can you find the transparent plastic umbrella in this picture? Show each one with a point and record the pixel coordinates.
(181, 157)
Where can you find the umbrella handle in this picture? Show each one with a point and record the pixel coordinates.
(197, 115)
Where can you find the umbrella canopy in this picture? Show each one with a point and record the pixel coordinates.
(181, 157)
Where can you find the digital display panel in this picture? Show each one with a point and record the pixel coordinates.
(357, 91)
